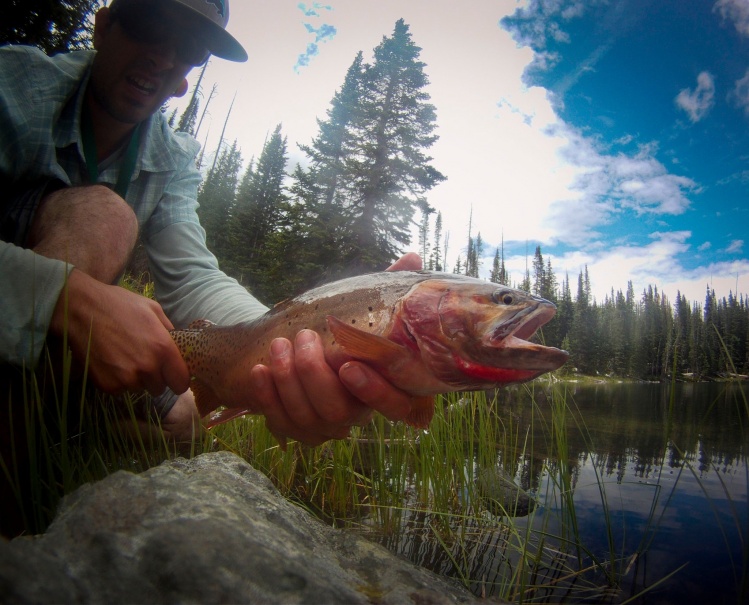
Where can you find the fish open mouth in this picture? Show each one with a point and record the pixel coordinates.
(524, 324)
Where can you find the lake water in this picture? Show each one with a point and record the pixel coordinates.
(673, 466)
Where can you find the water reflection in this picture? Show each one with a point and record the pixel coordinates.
(651, 469)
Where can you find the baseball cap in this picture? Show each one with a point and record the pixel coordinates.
(214, 14)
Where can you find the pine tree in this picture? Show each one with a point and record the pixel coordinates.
(51, 25)
(711, 342)
(498, 273)
(525, 285)
(565, 314)
(426, 211)
(260, 207)
(538, 272)
(496, 270)
(326, 213)
(189, 116)
(584, 327)
(473, 256)
(435, 259)
(216, 199)
(387, 170)
(682, 326)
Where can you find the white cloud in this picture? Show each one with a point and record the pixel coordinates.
(740, 92)
(655, 264)
(697, 103)
(509, 157)
(736, 11)
(736, 246)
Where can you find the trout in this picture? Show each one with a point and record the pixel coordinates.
(425, 332)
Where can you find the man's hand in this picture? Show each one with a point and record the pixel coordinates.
(303, 398)
(130, 346)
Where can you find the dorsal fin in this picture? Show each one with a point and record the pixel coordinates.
(200, 324)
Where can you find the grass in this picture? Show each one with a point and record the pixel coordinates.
(62, 435)
(417, 492)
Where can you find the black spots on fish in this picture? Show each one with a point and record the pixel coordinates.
(353, 321)
(370, 309)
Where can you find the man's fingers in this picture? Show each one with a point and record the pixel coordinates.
(372, 389)
(159, 312)
(337, 407)
(174, 371)
(408, 262)
(290, 390)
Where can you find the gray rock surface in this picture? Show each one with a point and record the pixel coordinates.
(207, 530)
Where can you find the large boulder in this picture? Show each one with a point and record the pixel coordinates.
(207, 530)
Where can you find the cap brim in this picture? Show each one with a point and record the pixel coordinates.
(223, 45)
(220, 42)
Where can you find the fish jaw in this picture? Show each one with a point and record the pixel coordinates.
(516, 360)
(473, 335)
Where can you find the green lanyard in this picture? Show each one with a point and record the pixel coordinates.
(92, 163)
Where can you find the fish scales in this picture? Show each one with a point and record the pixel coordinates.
(426, 332)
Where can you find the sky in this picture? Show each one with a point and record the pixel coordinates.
(612, 133)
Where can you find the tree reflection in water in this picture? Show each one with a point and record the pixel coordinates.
(646, 489)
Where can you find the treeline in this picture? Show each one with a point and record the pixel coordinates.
(642, 335)
(350, 210)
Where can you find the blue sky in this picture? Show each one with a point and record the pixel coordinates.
(666, 80)
(615, 134)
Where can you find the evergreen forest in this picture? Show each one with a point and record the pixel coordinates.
(351, 208)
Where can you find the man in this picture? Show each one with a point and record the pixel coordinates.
(72, 121)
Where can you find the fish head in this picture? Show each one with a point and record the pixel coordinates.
(477, 333)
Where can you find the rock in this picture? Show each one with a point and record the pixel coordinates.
(501, 495)
(207, 530)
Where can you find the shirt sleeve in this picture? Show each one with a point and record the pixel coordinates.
(188, 283)
(32, 284)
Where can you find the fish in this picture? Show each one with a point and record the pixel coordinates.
(426, 332)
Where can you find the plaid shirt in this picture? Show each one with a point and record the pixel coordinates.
(40, 107)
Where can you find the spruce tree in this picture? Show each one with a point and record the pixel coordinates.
(473, 256)
(51, 25)
(216, 200)
(494, 274)
(387, 171)
(189, 117)
(325, 215)
(261, 205)
(426, 211)
(584, 327)
(538, 272)
(435, 259)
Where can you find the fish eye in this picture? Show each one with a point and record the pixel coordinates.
(503, 297)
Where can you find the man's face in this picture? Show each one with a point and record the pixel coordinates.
(133, 73)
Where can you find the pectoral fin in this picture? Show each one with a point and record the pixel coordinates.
(205, 399)
(366, 346)
(224, 416)
(422, 410)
